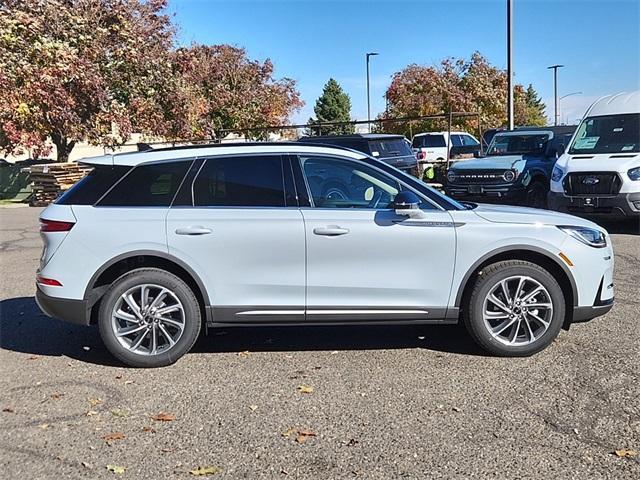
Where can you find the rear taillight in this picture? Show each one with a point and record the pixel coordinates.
(421, 155)
(55, 225)
(50, 282)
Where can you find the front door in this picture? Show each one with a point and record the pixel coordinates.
(247, 246)
(363, 260)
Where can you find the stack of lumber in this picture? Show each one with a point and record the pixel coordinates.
(49, 180)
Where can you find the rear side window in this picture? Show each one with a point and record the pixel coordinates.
(148, 186)
(429, 141)
(251, 181)
(89, 190)
(389, 148)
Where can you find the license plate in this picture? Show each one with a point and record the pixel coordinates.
(475, 189)
(589, 202)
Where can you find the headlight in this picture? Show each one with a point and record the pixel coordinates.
(588, 236)
(634, 173)
(509, 176)
(451, 176)
(557, 174)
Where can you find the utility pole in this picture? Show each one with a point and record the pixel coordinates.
(555, 92)
(510, 62)
(370, 54)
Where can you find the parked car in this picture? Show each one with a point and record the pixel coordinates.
(516, 169)
(152, 245)
(392, 149)
(599, 175)
(431, 147)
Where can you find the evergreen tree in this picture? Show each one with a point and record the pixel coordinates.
(534, 108)
(334, 105)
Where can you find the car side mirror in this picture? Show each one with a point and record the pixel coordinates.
(560, 149)
(407, 203)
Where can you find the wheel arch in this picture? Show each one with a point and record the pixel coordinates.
(529, 253)
(117, 266)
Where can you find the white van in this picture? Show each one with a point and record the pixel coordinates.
(599, 174)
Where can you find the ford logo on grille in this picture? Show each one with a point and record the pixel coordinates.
(590, 180)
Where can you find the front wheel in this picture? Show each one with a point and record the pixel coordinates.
(149, 318)
(516, 309)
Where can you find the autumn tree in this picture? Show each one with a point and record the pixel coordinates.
(220, 88)
(460, 85)
(334, 105)
(74, 70)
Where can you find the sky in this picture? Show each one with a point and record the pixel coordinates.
(311, 41)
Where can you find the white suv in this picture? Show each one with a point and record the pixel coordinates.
(432, 146)
(152, 245)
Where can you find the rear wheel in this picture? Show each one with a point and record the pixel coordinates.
(149, 318)
(516, 308)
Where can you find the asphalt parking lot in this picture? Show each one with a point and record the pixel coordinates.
(353, 402)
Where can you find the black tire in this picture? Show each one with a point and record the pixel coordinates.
(486, 281)
(162, 278)
(537, 195)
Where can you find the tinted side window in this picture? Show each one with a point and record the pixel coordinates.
(89, 190)
(148, 185)
(456, 141)
(433, 141)
(252, 181)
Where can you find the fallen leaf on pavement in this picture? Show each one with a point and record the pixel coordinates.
(304, 435)
(626, 453)
(246, 353)
(86, 465)
(456, 409)
(44, 426)
(116, 469)
(110, 437)
(118, 377)
(91, 413)
(119, 413)
(253, 408)
(148, 429)
(288, 432)
(95, 401)
(8, 410)
(305, 389)
(129, 382)
(33, 357)
(56, 396)
(201, 471)
(167, 450)
(163, 417)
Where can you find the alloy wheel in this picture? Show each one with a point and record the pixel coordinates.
(517, 310)
(148, 319)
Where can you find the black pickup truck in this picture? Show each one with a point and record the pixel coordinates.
(516, 169)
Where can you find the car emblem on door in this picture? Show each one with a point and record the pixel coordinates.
(590, 180)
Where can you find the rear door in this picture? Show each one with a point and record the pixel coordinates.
(237, 227)
(363, 260)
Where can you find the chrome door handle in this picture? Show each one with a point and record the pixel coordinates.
(330, 231)
(193, 230)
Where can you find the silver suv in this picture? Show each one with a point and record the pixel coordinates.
(152, 245)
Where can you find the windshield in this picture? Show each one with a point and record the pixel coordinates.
(518, 144)
(429, 141)
(608, 134)
(389, 148)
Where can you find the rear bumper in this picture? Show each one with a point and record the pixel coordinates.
(73, 311)
(622, 205)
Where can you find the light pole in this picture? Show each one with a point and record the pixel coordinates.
(565, 96)
(510, 63)
(370, 54)
(555, 91)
